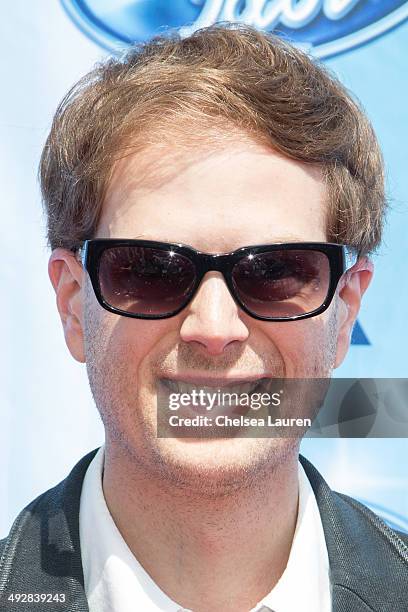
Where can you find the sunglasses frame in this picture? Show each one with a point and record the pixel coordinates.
(340, 257)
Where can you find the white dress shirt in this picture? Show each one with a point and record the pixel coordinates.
(116, 582)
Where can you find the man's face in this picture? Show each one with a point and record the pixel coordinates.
(216, 201)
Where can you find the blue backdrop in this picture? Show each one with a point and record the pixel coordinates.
(48, 416)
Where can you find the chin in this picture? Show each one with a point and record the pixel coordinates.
(217, 467)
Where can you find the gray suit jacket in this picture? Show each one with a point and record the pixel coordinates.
(368, 560)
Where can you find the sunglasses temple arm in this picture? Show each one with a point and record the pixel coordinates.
(351, 257)
(81, 253)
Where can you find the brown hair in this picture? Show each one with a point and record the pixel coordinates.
(227, 77)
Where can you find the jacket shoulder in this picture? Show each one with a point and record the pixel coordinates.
(42, 549)
(52, 500)
(396, 539)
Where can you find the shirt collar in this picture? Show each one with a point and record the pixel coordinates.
(305, 583)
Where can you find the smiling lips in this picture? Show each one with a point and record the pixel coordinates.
(229, 385)
(208, 394)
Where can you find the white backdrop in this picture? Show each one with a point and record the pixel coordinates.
(48, 420)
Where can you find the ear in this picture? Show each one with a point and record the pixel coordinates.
(351, 288)
(67, 277)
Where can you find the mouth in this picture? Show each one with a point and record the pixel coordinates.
(211, 384)
(215, 396)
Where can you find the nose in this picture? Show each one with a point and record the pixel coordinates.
(212, 317)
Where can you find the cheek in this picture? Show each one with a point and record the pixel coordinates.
(117, 361)
(116, 346)
(133, 341)
(306, 347)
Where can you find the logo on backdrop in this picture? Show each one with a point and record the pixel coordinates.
(325, 27)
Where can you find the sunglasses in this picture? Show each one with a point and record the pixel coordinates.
(147, 279)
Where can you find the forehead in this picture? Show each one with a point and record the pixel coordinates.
(215, 199)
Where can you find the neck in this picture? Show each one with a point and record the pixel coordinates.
(206, 553)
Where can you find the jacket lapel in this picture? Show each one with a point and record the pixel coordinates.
(368, 561)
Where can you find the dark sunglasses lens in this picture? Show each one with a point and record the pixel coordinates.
(144, 280)
(282, 283)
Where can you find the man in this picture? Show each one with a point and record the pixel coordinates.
(159, 168)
